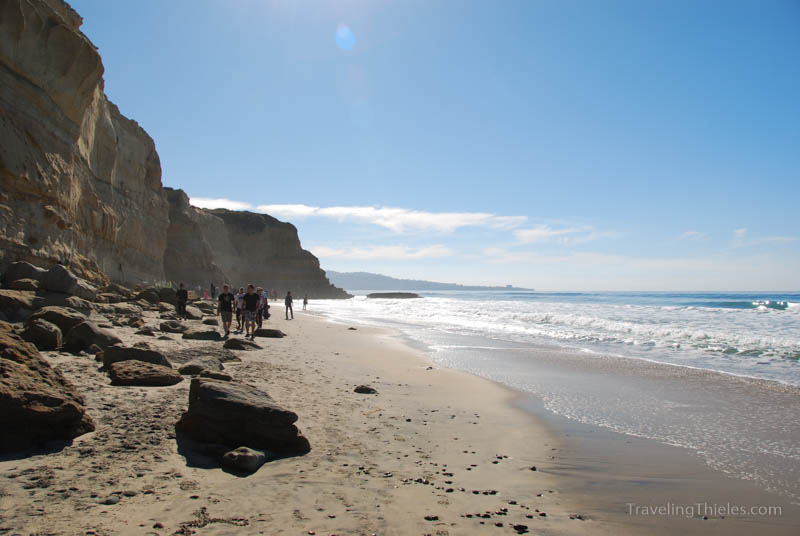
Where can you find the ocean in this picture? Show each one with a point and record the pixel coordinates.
(638, 363)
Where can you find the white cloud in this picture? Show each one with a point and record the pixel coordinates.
(399, 220)
(741, 240)
(383, 252)
(563, 235)
(208, 202)
(693, 235)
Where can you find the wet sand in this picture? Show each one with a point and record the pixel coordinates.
(436, 451)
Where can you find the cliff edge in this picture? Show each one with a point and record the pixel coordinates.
(81, 183)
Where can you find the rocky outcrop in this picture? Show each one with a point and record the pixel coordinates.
(37, 403)
(81, 183)
(240, 248)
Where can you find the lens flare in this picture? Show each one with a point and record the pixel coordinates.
(345, 38)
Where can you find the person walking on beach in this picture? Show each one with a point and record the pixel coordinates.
(260, 308)
(239, 308)
(182, 296)
(288, 302)
(213, 291)
(305, 302)
(225, 308)
(251, 300)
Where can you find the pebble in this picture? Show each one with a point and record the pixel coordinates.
(111, 499)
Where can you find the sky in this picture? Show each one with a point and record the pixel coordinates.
(558, 145)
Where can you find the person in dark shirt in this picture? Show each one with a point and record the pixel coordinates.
(225, 308)
(250, 308)
(288, 303)
(182, 296)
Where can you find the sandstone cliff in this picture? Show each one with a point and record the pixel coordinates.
(80, 184)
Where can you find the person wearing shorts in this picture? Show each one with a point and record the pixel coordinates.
(225, 308)
(239, 307)
(250, 300)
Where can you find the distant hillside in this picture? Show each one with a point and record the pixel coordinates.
(368, 281)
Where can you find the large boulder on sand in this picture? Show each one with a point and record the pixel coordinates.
(193, 313)
(269, 333)
(60, 279)
(202, 334)
(59, 299)
(36, 402)
(150, 295)
(65, 318)
(230, 413)
(172, 326)
(117, 354)
(43, 334)
(142, 374)
(86, 334)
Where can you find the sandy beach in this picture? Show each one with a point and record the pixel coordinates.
(435, 451)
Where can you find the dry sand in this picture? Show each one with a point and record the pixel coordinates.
(432, 442)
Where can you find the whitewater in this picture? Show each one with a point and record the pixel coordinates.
(715, 373)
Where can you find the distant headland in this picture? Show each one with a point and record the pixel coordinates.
(369, 281)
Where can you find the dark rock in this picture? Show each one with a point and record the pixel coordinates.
(172, 326)
(94, 349)
(43, 334)
(211, 321)
(365, 390)
(270, 333)
(36, 402)
(167, 295)
(23, 270)
(116, 354)
(210, 356)
(240, 344)
(193, 313)
(135, 322)
(13, 302)
(244, 459)
(60, 299)
(200, 334)
(215, 375)
(393, 295)
(142, 374)
(110, 500)
(115, 288)
(192, 368)
(164, 338)
(24, 284)
(206, 306)
(65, 318)
(149, 295)
(110, 297)
(85, 334)
(165, 307)
(60, 279)
(230, 413)
(147, 332)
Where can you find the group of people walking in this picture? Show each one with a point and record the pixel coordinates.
(251, 306)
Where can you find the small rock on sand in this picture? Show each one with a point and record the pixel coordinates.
(365, 390)
(244, 459)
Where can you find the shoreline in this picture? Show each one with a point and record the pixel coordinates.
(681, 479)
(434, 443)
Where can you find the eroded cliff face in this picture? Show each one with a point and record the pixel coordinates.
(80, 184)
(239, 248)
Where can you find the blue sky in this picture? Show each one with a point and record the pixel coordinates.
(550, 144)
